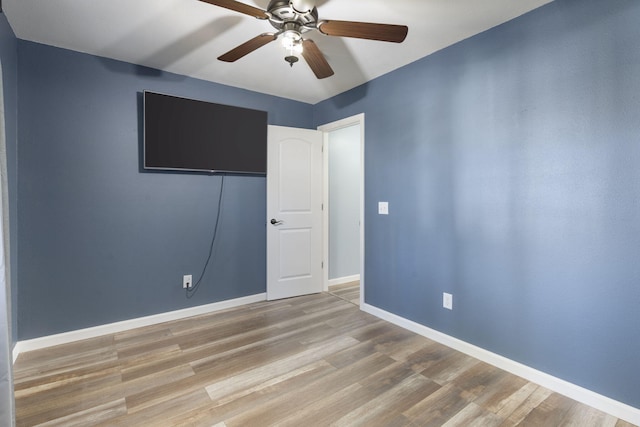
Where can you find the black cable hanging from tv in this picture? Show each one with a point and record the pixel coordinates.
(191, 292)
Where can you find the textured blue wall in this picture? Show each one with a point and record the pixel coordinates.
(101, 241)
(9, 57)
(510, 162)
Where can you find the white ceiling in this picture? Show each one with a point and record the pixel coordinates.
(186, 37)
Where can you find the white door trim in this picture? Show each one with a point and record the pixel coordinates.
(358, 119)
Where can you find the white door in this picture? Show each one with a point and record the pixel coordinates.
(294, 212)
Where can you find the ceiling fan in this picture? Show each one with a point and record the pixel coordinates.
(293, 18)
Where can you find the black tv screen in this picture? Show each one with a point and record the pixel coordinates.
(190, 135)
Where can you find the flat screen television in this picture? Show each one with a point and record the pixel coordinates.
(189, 135)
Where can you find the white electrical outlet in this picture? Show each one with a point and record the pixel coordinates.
(187, 281)
(383, 208)
(447, 301)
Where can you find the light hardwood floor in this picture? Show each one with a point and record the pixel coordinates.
(349, 292)
(309, 361)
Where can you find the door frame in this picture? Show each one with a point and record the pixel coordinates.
(358, 119)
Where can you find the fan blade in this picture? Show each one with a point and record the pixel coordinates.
(316, 60)
(248, 47)
(364, 30)
(239, 7)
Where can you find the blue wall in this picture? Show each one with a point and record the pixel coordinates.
(511, 165)
(102, 241)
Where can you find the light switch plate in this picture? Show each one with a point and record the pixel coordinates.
(383, 208)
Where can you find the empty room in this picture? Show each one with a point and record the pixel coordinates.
(320, 212)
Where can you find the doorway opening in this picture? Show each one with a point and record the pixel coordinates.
(343, 213)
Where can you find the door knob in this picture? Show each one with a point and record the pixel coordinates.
(275, 221)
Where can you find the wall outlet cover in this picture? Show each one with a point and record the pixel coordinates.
(187, 281)
(383, 208)
(447, 301)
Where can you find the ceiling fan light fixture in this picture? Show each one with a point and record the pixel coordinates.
(293, 46)
(290, 37)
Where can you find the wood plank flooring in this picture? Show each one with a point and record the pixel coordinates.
(309, 361)
(349, 292)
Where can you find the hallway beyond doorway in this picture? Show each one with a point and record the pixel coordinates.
(349, 292)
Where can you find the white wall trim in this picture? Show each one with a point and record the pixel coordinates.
(111, 328)
(17, 349)
(575, 392)
(343, 280)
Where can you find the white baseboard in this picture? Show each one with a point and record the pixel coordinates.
(111, 328)
(575, 392)
(343, 280)
(16, 351)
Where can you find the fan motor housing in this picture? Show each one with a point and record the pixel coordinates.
(282, 12)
